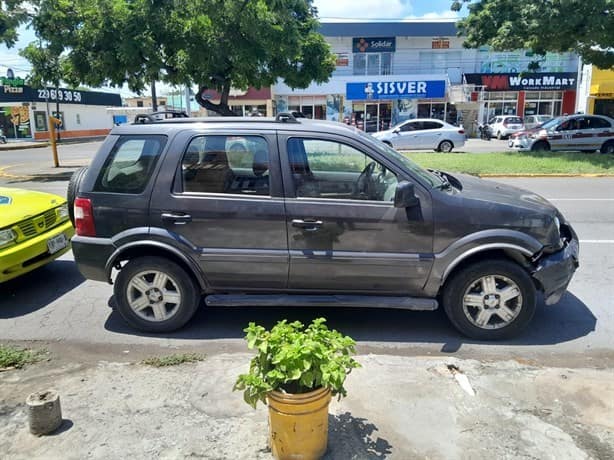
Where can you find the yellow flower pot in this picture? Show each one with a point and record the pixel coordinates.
(298, 424)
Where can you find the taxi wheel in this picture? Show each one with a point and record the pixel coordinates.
(608, 147)
(541, 145)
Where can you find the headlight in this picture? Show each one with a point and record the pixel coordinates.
(7, 237)
(63, 211)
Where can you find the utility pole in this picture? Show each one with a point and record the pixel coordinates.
(57, 108)
(154, 98)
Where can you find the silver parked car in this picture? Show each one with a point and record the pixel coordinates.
(423, 133)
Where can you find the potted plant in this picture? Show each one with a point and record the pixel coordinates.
(295, 372)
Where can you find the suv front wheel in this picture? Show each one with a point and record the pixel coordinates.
(490, 300)
(154, 294)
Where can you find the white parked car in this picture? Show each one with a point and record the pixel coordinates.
(503, 126)
(423, 133)
(533, 121)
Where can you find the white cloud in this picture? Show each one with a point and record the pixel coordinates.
(363, 9)
(446, 14)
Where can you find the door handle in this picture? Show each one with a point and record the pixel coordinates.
(179, 219)
(307, 225)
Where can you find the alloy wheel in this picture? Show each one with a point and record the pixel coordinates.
(153, 295)
(492, 302)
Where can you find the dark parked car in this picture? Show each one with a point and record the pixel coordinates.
(307, 212)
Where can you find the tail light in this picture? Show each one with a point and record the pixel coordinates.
(461, 131)
(84, 217)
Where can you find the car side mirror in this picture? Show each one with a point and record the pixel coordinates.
(404, 195)
(396, 130)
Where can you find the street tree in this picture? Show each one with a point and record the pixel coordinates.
(216, 44)
(13, 13)
(583, 26)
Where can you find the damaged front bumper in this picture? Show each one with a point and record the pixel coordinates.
(554, 271)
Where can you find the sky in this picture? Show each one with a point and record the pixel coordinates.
(327, 10)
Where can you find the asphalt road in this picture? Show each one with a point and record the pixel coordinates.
(55, 303)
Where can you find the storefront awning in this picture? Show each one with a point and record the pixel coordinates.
(604, 87)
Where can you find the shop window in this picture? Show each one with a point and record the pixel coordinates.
(40, 121)
(139, 103)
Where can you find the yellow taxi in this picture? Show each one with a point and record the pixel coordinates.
(34, 230)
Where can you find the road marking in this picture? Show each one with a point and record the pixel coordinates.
(580, 199)
(597, 241)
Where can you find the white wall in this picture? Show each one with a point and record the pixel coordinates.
(89, 116)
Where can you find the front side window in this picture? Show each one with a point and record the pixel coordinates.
(226, 164)
(329, 169)
(130, 164)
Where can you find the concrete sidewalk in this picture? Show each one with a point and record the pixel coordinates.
(397, 408)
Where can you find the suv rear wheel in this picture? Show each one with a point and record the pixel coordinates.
(490, 300)
(154, 294)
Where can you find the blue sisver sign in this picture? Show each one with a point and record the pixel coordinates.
(406, 89)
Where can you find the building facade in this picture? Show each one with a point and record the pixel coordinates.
(596, 94)
(24, 111)
(388, 72)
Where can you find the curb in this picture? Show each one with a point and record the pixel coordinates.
(23, 147)
(527, 175)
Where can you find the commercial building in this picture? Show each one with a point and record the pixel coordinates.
(596, 94)
(24, 110)
(389, 71)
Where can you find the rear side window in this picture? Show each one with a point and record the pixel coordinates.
(597, 123)
(431, 125)
(236, 165)
(130, 164)
(514, 120)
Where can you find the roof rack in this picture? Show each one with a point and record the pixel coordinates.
(287, 117)
(143, 118)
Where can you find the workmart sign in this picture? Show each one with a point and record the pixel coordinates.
(555, 81)
(403, 89)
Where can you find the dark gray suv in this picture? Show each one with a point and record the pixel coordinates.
(292, 212)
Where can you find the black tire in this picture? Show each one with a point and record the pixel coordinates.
(180, 280)
(608, 147)
(499, 136)
(445, 146)
(466, 279)
(73, 188)
(540, 146)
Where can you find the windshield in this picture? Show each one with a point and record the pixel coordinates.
(429, 177)
(552, 123)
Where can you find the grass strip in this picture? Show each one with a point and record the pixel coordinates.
(517, 162)
(173, 360)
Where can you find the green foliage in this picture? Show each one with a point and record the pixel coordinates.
(13, 13)
(583, 26)
(296, 359)
(213, 43)
(17, 357)
(173, 360)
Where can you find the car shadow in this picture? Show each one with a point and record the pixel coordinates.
(37, 289)
(352, 437)
(570, 319)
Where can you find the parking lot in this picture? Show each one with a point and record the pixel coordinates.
(56, 304)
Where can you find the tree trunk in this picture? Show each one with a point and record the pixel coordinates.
(222, 108)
